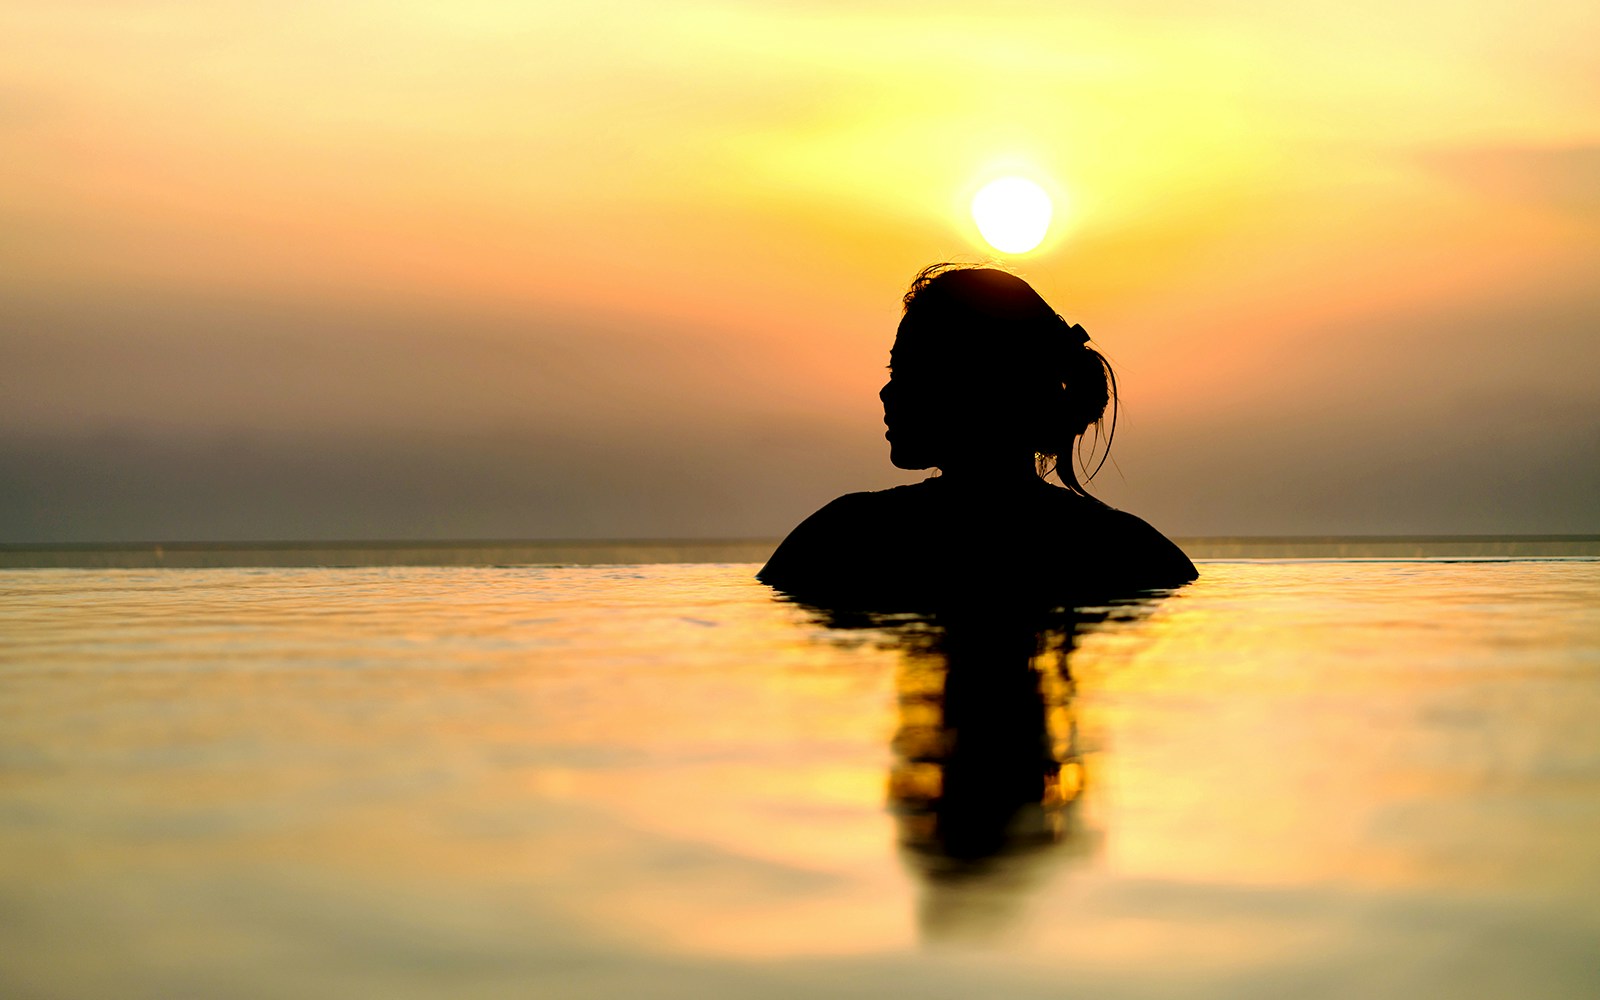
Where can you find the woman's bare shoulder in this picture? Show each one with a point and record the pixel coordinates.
(1156, 559)
(888, 537)
(816, 544)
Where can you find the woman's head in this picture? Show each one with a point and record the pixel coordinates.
(983, 368)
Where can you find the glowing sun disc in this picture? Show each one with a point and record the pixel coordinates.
(1012, 213)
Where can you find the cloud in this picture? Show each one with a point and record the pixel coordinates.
(171, 417)
(1561, 179)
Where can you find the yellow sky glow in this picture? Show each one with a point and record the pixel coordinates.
(1229, 176)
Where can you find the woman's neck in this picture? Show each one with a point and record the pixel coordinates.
(988, 474)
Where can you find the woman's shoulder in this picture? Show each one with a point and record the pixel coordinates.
(806, 550)
(853, 510)
(867, 509)
(841, 533)
(920, 533)
(1134, 545)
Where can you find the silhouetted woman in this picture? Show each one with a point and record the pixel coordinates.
(991, 387)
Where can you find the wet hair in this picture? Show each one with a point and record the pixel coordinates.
(996, 327)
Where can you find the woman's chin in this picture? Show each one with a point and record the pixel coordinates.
(909, 459)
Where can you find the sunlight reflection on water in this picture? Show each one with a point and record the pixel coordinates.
(1325, 779)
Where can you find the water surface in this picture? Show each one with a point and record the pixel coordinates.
(1299, 778)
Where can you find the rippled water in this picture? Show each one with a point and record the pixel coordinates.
(1306, 779)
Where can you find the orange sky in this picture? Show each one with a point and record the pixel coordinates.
(631, 269)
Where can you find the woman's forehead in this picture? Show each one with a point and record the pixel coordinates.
(912, 338)
(941, 361)
(938, 343)
(908, 351)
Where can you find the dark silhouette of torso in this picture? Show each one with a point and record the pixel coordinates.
(935, 544)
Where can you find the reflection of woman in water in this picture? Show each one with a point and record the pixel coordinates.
(988, 768)
(993, 388)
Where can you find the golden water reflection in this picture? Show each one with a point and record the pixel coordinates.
(1307, 779)
(986, 776)
(988, 763)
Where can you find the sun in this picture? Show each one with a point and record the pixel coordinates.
(1012, 213)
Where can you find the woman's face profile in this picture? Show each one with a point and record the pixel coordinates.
(934, 412)
(910, 411)
(913, 401)
(950, 402)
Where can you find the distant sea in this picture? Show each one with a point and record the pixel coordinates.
(599, 552)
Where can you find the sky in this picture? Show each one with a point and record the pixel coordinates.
(285, 270)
